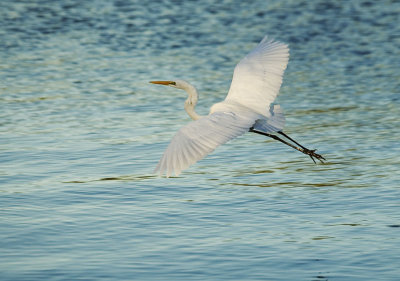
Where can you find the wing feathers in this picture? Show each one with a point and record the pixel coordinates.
(199, 138)
(258, 76)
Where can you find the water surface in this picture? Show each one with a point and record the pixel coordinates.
(81, 131)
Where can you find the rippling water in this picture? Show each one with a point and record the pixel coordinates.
(81, 131)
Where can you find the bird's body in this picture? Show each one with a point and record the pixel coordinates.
(247, 107)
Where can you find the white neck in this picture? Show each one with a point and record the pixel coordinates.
(191, 101)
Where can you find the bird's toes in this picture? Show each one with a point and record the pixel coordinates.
(313, 154)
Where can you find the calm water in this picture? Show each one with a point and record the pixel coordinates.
(81, 131)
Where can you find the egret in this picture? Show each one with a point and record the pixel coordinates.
(256, 81)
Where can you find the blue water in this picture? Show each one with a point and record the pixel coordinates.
(81, 131)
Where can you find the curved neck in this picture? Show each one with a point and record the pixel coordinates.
(191, 101)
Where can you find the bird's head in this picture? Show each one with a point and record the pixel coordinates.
(166, 83)
(191, 101)
(179, 84)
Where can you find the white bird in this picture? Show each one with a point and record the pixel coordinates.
(247, 107)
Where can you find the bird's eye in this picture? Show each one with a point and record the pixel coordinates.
(172, 83)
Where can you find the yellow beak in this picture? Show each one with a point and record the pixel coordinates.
(163, 82)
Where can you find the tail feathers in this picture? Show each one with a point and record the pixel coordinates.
(274, 123)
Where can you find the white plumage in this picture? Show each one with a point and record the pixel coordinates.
(258, 76)
(199, 138)
(255, 85)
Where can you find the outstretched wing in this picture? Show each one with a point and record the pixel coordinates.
(199, 138)
(258, 76)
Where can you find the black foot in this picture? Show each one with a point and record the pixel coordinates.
(312, 154)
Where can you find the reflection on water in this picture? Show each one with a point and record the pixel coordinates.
(82, 130)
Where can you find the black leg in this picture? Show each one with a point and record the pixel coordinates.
(318, 156)
(289, 138)
(300, 148)
(276, 138)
